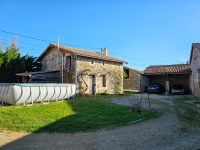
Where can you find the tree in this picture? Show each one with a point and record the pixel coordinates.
(11, 62)
(1, 55)
(12, 52)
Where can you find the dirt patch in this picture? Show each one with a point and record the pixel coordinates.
(9, 136)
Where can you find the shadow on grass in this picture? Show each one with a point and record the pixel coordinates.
(89, 115)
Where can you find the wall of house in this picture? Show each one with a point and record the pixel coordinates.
(195, 65)
(53, 61)
(90, 74)
(132, 82)
(190, 83)
(69, 65)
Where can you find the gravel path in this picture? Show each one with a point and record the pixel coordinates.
(156, 134)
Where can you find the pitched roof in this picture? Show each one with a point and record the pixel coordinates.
(194, 45)
(80, 52)
(168, 69)
(132, 69)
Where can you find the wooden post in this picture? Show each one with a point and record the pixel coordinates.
(148, 100)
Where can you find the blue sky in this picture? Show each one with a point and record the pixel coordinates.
(141, 32)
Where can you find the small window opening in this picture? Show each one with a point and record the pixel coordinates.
(104, 80)
(127, 73)
(68, 62)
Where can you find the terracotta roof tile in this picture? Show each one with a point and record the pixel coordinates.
(168, 69)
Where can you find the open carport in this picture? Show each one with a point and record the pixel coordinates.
(168, 75)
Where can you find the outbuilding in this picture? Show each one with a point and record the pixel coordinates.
(168, 75)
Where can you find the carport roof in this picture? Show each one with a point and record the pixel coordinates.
(168, 69)
(29, 74)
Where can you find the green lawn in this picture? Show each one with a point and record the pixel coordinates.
(82, 114)
(188, 113)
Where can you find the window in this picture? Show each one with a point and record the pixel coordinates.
(104, 80)
(127, 72)
(68, 62)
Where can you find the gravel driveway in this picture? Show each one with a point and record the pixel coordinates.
(162, 133)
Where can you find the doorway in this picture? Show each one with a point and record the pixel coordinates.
(92, 85)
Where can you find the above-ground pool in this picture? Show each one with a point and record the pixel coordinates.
(28, 93)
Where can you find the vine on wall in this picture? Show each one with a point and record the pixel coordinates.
(114, 75)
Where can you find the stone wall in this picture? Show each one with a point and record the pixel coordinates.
(69, 68)
(93, 70)
(89, 72)
(132, 82)
(190, 83)
(144, 82)
(53, 61)
(195, 65)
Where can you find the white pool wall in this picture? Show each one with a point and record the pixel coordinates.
(26, 93)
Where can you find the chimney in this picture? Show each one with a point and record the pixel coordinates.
(104, 51)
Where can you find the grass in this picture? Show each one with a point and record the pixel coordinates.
(82, 114)
(187, 112)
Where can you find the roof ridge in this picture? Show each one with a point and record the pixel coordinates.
(168, 65)
(133, 69)
(169, 69)
(72, 47)
(88, 53)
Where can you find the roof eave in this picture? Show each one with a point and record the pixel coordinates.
(170, 73)
(23, 75)
(31, 73)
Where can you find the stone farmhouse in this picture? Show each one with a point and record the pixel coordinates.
(92, 72)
